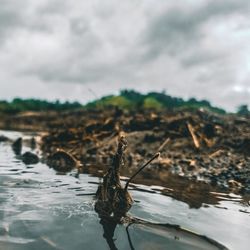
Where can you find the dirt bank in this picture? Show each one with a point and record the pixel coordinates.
(199, 145)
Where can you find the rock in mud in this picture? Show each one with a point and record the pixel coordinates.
(62, 161)
(17, 146)
(30, 158)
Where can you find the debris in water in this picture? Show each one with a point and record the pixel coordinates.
(112, 199)
(30, 158)
(62, 161)
(3, 138)
(17, 146)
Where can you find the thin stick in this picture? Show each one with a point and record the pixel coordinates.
(194, 137)
(140, 169)
(163, 144)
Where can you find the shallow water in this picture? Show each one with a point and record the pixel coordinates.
(40, 209)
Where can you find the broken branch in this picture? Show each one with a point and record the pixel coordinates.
(194, 137)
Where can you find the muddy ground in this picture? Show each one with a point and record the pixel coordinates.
(210, 150)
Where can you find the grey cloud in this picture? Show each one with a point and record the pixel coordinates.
(169, 33)
(79, 62)
(79, 26)
(84, 59)
(199, 58)
(9, 19)
(84, 73)
(141, 46)
(180, 28)
(53, 7)
(28, 15)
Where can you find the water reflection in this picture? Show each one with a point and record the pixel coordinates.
(158, 236)
(109, 227)
(193, 193)
(129, 238)
(66, 204)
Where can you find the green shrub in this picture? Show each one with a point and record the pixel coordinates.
(152, 103)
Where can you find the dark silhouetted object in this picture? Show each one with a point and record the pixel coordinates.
(17, 146)
(62, 161)
(30, 158)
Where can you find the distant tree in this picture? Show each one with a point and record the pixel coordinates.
(128, 99)
(19, 105)
(243, 110)
(135, 97)
(155, 100)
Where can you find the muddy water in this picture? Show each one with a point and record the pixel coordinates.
(40, 209)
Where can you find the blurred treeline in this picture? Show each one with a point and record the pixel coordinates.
(20, 105)
(127, 99)
(131, 99)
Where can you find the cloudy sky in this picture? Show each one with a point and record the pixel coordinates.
(76, 50)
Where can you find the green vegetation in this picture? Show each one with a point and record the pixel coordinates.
(128, 99)
(20, 105)
(119, 101)
(152, 103)
(243, 110)
(131, 99)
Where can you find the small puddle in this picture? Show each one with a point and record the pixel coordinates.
(40, 209)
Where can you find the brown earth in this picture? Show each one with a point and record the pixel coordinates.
(210, 150)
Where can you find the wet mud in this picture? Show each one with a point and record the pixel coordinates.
(199, 146)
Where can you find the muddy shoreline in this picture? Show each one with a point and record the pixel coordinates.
(209, 150)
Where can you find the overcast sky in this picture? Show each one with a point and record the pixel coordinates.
(76, 50)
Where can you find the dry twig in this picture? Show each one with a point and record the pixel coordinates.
(194, 137)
